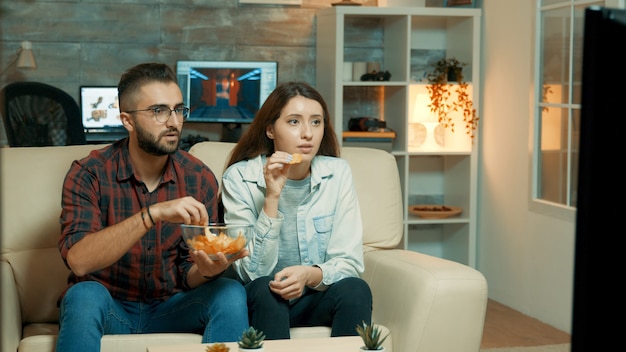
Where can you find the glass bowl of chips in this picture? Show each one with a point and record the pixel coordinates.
(229, 239)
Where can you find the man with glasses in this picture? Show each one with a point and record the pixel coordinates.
(121, 237)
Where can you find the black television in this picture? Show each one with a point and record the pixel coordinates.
(225, 91)
(595, 250)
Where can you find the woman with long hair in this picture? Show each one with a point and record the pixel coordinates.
(285, 177)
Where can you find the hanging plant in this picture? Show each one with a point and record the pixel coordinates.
(448, 74)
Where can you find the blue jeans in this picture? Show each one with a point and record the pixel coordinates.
(342, 307)
(217, 310)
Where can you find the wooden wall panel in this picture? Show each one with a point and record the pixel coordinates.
(92, 41)
(84, 42)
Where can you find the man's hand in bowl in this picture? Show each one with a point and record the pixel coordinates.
(186, 210)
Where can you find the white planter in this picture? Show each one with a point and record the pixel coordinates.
(364, 349)
(241, 349)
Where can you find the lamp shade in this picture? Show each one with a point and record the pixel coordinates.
(421, 111)
(25, 57)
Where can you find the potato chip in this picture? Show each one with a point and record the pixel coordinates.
(211, 244)
(296, 158)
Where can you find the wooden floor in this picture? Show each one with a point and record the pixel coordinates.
(506, 327)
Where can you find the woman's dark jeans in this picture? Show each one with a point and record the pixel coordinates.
(342, 307)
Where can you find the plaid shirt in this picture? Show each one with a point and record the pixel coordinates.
(102, 189)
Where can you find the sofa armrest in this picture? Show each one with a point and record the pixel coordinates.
(10, 315)
(429, 304)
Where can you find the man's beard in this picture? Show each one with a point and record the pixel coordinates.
(153, 145)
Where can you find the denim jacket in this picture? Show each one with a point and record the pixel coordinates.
(330, 231)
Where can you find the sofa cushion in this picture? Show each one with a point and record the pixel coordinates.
(40, 277)
(214, 155)
(380, 197)
(30, 227)
(35, 329)
(37, 173)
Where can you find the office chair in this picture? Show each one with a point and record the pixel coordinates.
(37, 114)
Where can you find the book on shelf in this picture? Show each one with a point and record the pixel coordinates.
(369, 135)
(369, 139)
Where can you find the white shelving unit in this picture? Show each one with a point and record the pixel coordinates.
(405, 41)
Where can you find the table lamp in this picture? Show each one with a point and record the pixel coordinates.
(425, 131)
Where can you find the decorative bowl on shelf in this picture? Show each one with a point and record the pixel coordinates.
(347, 3)
(434, 211)
(229, 239)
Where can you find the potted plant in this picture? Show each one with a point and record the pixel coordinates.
(251, 339)
(440, 91)
(371, 336)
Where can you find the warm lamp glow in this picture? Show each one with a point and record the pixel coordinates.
(425, 133)
(421, 111)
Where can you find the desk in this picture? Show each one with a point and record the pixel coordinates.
(328, 344)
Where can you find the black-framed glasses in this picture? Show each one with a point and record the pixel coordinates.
(163, 113)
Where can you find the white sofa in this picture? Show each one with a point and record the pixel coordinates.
(429, 304)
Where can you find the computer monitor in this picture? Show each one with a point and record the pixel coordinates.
(225, 91)
(101, 114)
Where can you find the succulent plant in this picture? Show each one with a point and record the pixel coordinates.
(217, 347)
(371, 336)
(251, 338)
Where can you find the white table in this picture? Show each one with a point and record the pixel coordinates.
(328, 344)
